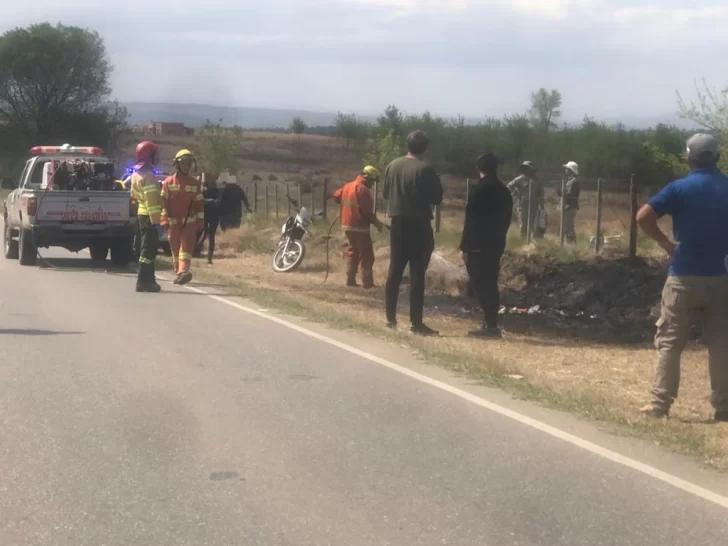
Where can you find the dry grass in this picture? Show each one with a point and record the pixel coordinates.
(603, 382)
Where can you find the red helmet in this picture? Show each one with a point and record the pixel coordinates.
(146, 153)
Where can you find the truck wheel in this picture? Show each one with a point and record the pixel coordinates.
(99, 251)
(122, 251)
(28, 253)
(12, 249)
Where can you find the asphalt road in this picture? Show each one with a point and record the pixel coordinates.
(172, 419)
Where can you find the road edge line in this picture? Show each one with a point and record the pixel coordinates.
(555, 432)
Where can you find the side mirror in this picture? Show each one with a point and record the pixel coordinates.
(8, 184)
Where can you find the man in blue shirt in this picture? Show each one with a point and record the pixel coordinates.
(697, 283)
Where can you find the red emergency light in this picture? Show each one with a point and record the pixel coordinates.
(66, 149)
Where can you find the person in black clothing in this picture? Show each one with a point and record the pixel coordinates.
(231, 206)
(411, 188)
(487, 219)
(212, 198)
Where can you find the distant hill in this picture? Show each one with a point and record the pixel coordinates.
(195, 115)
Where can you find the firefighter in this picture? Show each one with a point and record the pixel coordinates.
(183, 213)
(357, 214)
(145, 191)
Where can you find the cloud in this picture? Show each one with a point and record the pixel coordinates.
(467, 56)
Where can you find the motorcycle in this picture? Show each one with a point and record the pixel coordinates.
(291, 249)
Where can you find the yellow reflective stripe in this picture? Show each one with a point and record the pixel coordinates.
(173, 187)
(200, 215)
(172, 221)
(143, 260)
(191, 189)
(199, 197)
(356, 229)
(185, 256)
(150, 187)
(155, 208)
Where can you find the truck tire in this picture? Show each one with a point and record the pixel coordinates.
(12, 249)
(28, 253)
(122, 251)
(98, 251)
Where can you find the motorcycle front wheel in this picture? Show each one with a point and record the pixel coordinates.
(285, 261)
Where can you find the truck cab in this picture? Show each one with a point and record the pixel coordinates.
(68, 196)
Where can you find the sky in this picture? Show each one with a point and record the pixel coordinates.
(609, 58)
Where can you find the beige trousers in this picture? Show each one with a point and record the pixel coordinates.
(686, 300)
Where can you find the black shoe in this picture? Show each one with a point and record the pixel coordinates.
(209, 261)
(487, 333)
(423, 330)
(150, 288)
(654, 412)
(392, 324)
(721, 416)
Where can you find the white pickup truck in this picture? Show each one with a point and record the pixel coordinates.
(67, 197)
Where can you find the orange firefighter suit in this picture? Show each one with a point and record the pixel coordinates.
(183, 213)
(357, 214)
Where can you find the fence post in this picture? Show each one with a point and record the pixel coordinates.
(325, 204)
(267, 209)
(598, 244)
(633, 217)
(288, 201)
(562, 233)
(313, 201)
(300, 199)
(529, 226)
(376, 195)
(255, 197)
(275, 197)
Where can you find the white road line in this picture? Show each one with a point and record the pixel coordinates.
(613, 456)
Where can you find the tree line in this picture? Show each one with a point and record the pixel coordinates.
(54, 87)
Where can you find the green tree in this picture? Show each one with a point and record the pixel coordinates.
(354, 132)
(391, 121)
(386, 150)
(54, 86)
(298, 126)
(545, 109)
(219, 147)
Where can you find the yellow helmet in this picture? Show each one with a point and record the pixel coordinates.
(183, 153)
(371, 171)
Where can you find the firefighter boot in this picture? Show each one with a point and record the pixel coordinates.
(367, 278)
(145, 279)
(351, 278)
(184, 277)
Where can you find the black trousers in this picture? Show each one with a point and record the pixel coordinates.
(411, 242)
(211, 225)
(148, 245)
(483, 271)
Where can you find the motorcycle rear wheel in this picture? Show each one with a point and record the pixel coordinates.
(288, 261)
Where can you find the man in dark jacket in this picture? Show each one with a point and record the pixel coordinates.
(231, 206)
(411, 188)
(487, 219)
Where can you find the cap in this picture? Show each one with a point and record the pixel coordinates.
(702, 145)
(528, 164)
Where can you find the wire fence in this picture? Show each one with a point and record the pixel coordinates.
(607, 208)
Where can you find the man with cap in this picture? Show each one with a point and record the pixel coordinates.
(570, 200)
(524, 187)
(697, 284)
